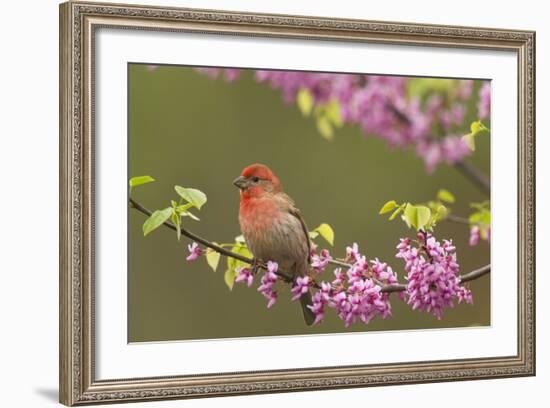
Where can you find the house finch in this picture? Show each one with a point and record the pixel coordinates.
(272, 226)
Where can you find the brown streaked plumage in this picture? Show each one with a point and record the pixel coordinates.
(272, 226)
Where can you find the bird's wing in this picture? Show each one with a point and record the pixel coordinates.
(287, 204)
(296, 212)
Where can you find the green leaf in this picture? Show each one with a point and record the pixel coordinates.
(176, 219)
(417, 215)
(470, 141)
(409, 215)
(192, 195)
(139, 180)
(482, 218)
(419, 87)
(442, 211)
(475, 218)
(478, 126)
(485, 205)
(190, 215)
(183, 208)
(234, 264)
(243, 250)
(390, 205)
(229, 277)
(396, 212)
(156, 219)
(332, 112)
(213, 259)
(304, 100)
(445, 195)
(423, 215)
(326, 232)
(313, 234)
(183, 211)
(437, 213)
(325, 128)
(475, 127)
(484, 232)
(240, 239)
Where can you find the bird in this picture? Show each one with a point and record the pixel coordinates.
(273, 227)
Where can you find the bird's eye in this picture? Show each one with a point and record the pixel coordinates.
(255, 179)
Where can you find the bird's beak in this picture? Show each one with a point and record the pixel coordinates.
(241, 182)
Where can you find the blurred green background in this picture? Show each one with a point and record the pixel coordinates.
(187, 129)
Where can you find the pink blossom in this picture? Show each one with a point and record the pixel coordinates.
(245, 275)
(352, 252)
(320, 299)
(432, 274)
(475, 234)
(212, 73)
(321, 261)
(381, 106)
(484, 104)
(465, 89)
(195, 251)
(231, 74)
(465, 295)
(339, 277)
(301, 287)
(267, 282)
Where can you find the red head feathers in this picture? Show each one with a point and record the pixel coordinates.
(257, 179)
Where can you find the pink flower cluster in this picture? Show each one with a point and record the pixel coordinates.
(432, 274)
(484, 104)
(476, 235)
(356, 290)
(267, 282)
(353, 294)
(382, 106)
(321, 261)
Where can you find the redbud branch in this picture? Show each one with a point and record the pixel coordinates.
(467, 170)
(386, 288)
(474, 175)
(339, 263)
(477, 273)
(400, 287)
(457, 219)
(134, 204)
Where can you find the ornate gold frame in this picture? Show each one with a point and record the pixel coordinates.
(78, 22)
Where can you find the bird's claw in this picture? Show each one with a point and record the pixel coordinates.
(256, 264)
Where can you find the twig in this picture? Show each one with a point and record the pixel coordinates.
(221, 250)
(385, 288)
(339, 263)
(457, 219)
(467, 170)
(477, 273)
(474, 175)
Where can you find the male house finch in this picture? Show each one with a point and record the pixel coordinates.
(272, 226)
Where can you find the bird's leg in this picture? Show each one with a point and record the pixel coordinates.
(256, 264)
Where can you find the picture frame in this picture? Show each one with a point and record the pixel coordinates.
(79, 24)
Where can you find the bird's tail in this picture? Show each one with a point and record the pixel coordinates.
(305, 301)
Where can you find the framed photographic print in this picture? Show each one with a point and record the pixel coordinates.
(258, 203)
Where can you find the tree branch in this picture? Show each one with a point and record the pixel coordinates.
(457, 219)
(477, 273)
(221, 250)
(391, 288)
(474, 175)
(467, 170)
